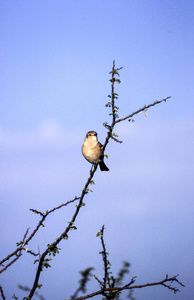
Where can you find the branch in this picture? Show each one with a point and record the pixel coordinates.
(20, 253)
(110, 134)
(44, 216)
(104, 256)
(142, 109)
(63, 235)
(114, 108)
(115, 120)
(108, 288)
(2, 294)
(126, 287)
(116, 140)
(43, 261)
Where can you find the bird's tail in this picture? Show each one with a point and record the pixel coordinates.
(103, 167)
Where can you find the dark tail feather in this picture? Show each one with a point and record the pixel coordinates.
(103, 167)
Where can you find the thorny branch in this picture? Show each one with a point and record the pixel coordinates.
(104, 256)
(142, 109)
(126, 287)
(2, 294)
(62, 236)
(18, 255)
(115, 117)
(44, 216)
(85, 190)
(110, 291)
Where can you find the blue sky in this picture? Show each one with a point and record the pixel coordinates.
(55, 57)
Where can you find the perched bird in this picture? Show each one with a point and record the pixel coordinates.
(92, 150)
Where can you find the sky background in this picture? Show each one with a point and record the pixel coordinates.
(55, 58)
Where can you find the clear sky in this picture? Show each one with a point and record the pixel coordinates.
(55, 57)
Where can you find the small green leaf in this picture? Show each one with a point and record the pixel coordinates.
(65, 237)
(39, 286)
(114, 134)
(106, 155)
(117, 80)
(109, 104)
(36, 260)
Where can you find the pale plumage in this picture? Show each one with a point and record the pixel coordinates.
(92, 150)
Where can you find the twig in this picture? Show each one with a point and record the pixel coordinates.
(84, 192)
(116, 289)
(99, 281)
(20, 253)
(114, 115)
(44, 216)
(104, 256)
(116, 140)
(2, 294)
(142, 109)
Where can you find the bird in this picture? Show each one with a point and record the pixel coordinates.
(92, 150)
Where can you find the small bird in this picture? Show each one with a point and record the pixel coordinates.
(92, 150)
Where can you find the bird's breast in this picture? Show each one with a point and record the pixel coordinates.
(91, 151)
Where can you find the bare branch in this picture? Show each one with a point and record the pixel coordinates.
(63, 235)
(99, 281)
(142, 109)
(2, 294)
(108, 288)
(18, 256)
(112, 94)
(44, 216)
(116, 289)
(104, 256)
(116, 140)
